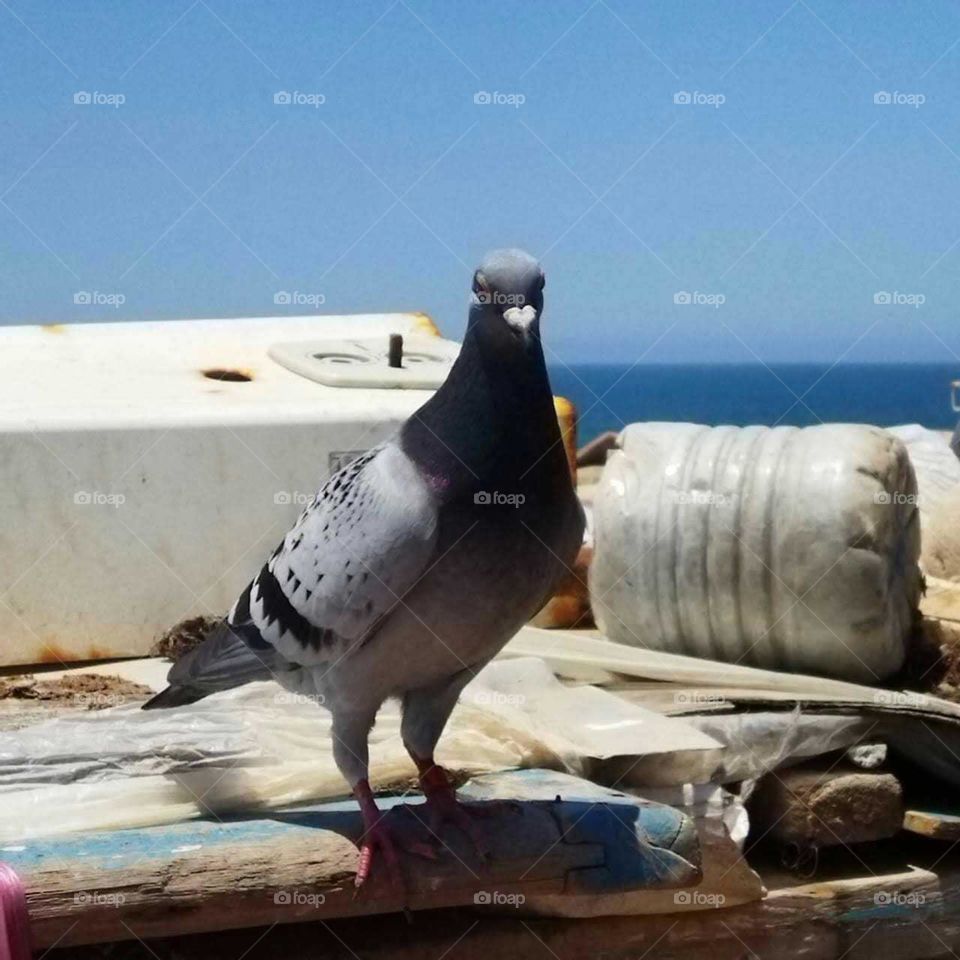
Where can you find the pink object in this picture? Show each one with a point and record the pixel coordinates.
(14, 924)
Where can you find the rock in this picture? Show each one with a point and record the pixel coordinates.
(867, 756)
(818, 806)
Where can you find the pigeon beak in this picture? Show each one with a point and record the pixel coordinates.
(521, 319)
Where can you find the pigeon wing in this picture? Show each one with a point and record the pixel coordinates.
(363, 541)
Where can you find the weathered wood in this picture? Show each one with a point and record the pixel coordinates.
(824, 806)
(728, 881)
(936, 824)
(299, 865)
(909, 914)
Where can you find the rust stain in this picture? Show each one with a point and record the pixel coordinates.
(96, 653)
(423, 323)
(53, 327)
(51, 653)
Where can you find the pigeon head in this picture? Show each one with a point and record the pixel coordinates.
(495, 410)
(507, 300)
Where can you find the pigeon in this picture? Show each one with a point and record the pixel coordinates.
(415, 563)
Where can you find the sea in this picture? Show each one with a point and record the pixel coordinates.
(609, 396)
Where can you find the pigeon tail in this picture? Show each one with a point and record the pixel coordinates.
(174, 697)
(228, 657)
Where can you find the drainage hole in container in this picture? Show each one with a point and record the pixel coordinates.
(230, 376)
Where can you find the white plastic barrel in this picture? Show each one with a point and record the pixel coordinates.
(791, 549)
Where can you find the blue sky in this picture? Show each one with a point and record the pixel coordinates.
(781, 202)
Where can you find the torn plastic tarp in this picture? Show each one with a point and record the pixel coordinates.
(759, 741)
(261, 747)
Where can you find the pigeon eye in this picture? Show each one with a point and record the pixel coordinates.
(479, 283)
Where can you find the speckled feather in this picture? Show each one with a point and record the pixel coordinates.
(353, 553)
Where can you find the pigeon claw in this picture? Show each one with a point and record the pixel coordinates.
(377, 836)
(443, 807)
(379, 839)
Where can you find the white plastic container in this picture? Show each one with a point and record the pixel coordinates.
(138, 486)
(785, 548)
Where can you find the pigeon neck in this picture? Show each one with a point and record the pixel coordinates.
(491, 416)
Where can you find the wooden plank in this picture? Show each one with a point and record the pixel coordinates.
(936, 824)
(909, 914)
(726, 879)
(297, 865)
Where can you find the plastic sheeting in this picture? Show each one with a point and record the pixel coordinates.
(830, 714)
(938, 496)
(935, 464)
(759, 741)
(707, 801)
(261, 747)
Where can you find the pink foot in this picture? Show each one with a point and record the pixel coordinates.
(443, 807)
(378, 836)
